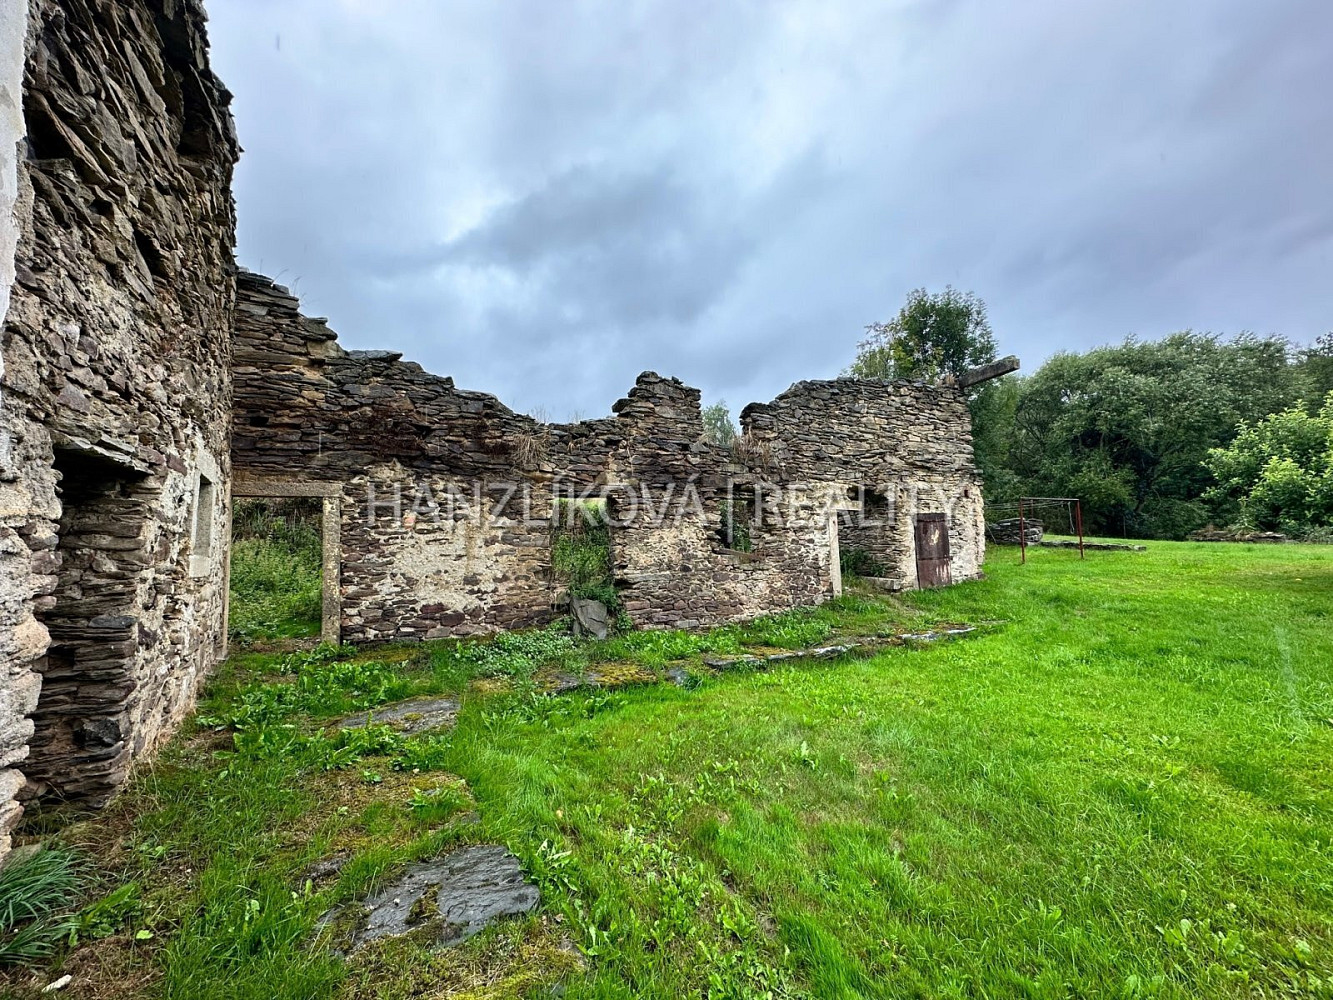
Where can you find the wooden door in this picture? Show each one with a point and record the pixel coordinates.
(932, 550)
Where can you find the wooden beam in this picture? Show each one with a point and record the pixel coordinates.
(985, 373)
(269, 489)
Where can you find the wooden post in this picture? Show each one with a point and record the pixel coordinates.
(1078, 517)
(1022, 532)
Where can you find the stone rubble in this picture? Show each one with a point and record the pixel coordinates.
(1011, 530)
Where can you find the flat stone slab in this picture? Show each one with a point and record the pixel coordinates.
(943, 633)
(831, 651)
(416, 715)
(1093, 546)
(449, 899)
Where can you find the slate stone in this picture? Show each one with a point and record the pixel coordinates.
(455, 896)
(416, 715)
(591, 617)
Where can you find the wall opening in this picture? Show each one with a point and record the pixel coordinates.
(270, 520)
(276, 579)
(737, 521)
(81, 746)
(582, 557)
(867, 534)
(204, 513)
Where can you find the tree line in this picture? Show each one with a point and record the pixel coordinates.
(1157, 438)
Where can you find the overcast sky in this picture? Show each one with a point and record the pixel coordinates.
(544, 198)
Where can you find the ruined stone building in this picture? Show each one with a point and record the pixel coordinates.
(145, 384)
(442, 499)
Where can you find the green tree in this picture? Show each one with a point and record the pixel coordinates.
(1316, 367)
(945, 333)
(718, 427)
(1279, 471)
(1127, 427)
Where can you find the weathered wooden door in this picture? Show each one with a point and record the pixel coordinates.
(932, 550)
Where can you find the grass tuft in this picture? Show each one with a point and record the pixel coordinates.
(37, 893)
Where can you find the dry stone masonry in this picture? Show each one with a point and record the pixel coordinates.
(116, 403)
(144, 383)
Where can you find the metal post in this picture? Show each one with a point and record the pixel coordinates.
(1022, 532)
(1078, 516)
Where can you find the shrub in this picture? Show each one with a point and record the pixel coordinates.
(1280, 470)
(859, 562)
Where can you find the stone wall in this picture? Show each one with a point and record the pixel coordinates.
(116, 391)
(447, 495)
(19, 633)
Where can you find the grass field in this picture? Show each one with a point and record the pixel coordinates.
(1121, 785)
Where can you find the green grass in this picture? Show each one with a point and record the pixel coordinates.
(1121, 785)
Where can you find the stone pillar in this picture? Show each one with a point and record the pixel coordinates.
(22, 638)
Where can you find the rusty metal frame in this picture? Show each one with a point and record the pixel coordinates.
(331, 539)
(1022, 522)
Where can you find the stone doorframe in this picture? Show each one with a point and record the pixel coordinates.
(331, 530)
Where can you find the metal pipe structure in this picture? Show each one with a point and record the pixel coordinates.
(1022, 532)
(1025, 504)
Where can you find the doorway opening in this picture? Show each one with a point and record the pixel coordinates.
(284, 571)
(82, 743)
(867, 534)
(276, 586)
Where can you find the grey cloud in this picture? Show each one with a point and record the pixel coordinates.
(617, 249)
(543, 199)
